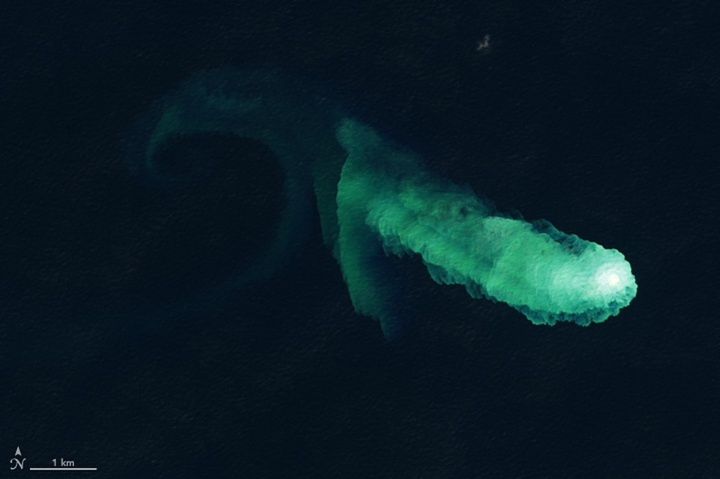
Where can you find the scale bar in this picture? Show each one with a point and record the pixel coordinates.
(63, 468)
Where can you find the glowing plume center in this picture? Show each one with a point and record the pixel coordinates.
(613, 277)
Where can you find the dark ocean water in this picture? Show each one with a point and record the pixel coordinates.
(602, 117)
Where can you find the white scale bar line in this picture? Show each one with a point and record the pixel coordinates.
(63, 468)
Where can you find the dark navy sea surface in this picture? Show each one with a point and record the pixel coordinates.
(122, 348)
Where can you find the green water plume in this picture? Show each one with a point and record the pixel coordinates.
(375, 199)
(547, 275)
